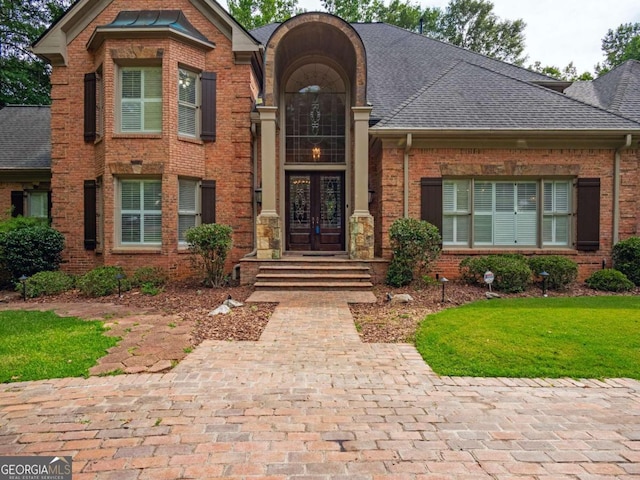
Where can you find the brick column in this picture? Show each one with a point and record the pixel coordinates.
(361, 234)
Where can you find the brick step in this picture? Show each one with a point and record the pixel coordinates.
(292, 266)
(313, 285)
(313, 277)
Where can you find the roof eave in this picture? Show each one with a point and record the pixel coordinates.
(483, 132)
(102, 33)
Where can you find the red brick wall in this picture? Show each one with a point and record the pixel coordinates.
(166, 156)
(502, 162)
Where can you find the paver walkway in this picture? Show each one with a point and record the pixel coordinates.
(309, 400)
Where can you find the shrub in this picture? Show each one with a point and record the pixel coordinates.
(609, 280)
(562, 270)
(16, 223)
(416, 244)
(626, 258)
(210, 244)
(31, 249)
(151, 276)
(47, 283)
(103, 281)
(511, 271)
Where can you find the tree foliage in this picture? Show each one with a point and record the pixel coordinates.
(620, 45)
(256, 13)
(23, 77)
(473, 25)
(568, 73)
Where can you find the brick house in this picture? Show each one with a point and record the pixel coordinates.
(312, 136)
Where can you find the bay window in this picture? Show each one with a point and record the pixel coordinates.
(187, 103)
(140, 99)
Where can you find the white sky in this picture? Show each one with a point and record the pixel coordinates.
(558, 31)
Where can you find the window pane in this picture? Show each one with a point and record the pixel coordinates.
(152, 228)
(153, 116)
(141, 220)
(483, 197)
(38, 204)
(187, 195)
(504, 197)
(131, 116)
(130, 195)
(152, 196)
(187, 120)
(187, 87)
(483, 229)
(527, 197)
(130, 228)
(153, 83)
(131, 84)
(185, 222)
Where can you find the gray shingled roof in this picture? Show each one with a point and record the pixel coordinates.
(414, 81)
(617, 91)
(25, 137)
(471, 97)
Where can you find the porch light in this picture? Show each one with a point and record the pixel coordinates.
(444, 281)
(315, 153)
(370, 195)
(258, 193)
(544, 276)
(23, 281)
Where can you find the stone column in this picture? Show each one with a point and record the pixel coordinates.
(269, 228)
(361, 241)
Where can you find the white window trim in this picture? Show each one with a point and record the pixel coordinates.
(193, 106)
(119, 212)
(197, 213)
(470, 212)
(143, 100)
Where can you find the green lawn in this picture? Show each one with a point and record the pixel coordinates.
(584, 337)
(41, 345)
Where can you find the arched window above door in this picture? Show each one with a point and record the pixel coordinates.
(315, 110)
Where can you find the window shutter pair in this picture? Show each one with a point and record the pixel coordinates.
(90, 209)
(588, 228)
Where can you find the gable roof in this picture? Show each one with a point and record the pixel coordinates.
(617, 91)
(25, 137)
(471, 97)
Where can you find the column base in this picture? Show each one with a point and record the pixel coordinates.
(269, 233)
(361, 239)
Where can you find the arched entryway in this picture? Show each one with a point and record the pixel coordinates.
(314, 140)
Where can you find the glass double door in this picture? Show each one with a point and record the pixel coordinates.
(315, 211)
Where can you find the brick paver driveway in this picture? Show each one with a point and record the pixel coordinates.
(309, 400)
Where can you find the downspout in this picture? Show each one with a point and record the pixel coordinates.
(254, 206)
(616, 187)
(407, 149)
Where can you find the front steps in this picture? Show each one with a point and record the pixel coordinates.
(312, 273)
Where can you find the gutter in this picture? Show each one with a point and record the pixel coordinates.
(407, 149)
(616, 186)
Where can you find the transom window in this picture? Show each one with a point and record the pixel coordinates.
(141, 99)
(315, 106)
(506, 213)
(140, 212)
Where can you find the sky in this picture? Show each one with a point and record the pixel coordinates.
(558, 31)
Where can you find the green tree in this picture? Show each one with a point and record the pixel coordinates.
(568, 73)
(353, 10)
(620, 45)
(408, 15)
(256, 13)
(23, 77)
(472, 24)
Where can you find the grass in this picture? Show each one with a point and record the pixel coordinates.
(41, 345)
(584, 337)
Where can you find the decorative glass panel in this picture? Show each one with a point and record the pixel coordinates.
(299, 196)
(330, 201)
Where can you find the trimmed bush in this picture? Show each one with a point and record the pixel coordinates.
(626, 258)
(511, 271)
(103, 281)
(210, 244)
(416, 244)
(562, 270)
(150, 276)
(47, 283)
(30, 249)
(609, 280)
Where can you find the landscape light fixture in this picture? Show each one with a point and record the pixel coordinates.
(119, 278)
(23, 281)
(544, 276)
(443, 280)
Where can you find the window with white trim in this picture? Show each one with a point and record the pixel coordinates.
(38, 204)
(188, 207)
(140, 212)
(188, 101)
(488, 213)
(141, 99)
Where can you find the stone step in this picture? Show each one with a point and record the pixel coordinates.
(313, 277)
(323, 286)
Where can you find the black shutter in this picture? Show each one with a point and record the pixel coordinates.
(17, 202)
(588, 235)
(208, 133)
(89, 107)
(431, 201)
(90, 222)
(49, 205)
(208, 201)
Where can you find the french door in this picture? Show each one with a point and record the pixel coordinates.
(315, 211)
